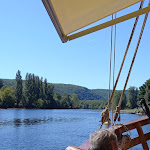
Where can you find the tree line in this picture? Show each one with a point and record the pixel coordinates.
(35, 92)
(133, 97)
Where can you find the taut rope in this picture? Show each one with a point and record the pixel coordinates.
(133, 59)
(105, 113)
(110, 65)
(114, 66)
(105, 118)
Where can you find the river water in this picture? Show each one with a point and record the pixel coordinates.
(55, 129)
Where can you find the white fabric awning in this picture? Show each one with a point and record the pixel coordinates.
(70, 15)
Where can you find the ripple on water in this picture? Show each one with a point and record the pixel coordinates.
(36, 121)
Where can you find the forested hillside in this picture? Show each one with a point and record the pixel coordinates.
(82, 92)
(101, 92)
(8, 82)
(36, 92)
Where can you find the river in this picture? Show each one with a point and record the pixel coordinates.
(55, 129)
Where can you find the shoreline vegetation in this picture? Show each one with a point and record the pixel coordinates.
(132, 111)
(36, 93)
(125, 111)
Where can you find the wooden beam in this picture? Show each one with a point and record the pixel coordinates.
(110, 23)
(131, 124)
(147, 135)
(137, 141)
(141, 136)
(52, 15)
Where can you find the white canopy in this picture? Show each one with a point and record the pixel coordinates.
(71, 15)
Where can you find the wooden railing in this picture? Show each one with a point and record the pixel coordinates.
(134, 124)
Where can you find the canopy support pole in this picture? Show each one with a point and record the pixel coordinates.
(110, 23)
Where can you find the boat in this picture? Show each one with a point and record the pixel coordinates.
(69, 19)
(119, 130)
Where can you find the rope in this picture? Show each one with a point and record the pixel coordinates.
(141, 33)
(105, 116)
(110, 59)
(114, 65)
(105, 112)
(141, 5)
(129, 42)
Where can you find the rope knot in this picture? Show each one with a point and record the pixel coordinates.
(117, 113)
(105, 116)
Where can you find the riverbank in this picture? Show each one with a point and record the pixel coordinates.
(125, 111)
(132, 111)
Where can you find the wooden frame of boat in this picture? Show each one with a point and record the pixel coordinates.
(119, 130)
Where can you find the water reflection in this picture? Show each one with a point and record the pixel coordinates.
(35, 121)
(17, 122)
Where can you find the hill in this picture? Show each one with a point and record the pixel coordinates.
(8, 82)
(82, 92)
(101, 92)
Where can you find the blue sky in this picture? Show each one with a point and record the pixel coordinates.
(30, 43)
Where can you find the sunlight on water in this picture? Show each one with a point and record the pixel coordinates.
(22, 129)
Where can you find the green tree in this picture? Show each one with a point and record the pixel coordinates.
(85, 104)
(1, 83)
(41, 94)
(50, 99)
(132, 97)
(7, 97)
(18, 88)
(147, 90)
(75, 101)
(33, 88)
(142, 92)
(39, 103)
(0, 99)
(37, 87)
(116, 99)
(66, 101)
(28, 91)
(23, 101)
(45, 89)
(57, 98)
(93, 104)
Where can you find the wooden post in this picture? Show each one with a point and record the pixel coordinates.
(141, 136)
